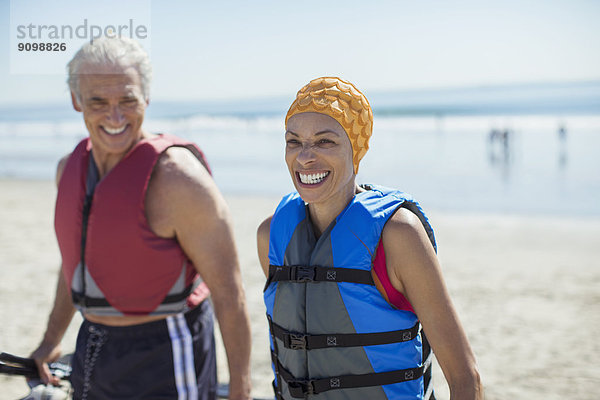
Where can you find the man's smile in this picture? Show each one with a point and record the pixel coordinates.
(114, 131)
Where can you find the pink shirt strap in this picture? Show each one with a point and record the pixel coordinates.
(394, 297)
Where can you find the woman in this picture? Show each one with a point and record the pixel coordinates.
(352, 270)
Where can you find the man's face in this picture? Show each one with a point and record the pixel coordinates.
(113, 106)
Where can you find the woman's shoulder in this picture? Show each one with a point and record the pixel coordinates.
(262, 241)
(403, 222)
(264, 229)
(404, 230)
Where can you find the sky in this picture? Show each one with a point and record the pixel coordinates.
(205, 50)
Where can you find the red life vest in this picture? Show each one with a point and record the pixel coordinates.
(124, 268)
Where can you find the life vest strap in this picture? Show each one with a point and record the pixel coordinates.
(300, 341)
(300, 389)
(303, 273)
(274, 354)
(90, 302)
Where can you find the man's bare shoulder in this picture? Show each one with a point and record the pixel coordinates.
(179, 173)
(181, 192)
(180, 164)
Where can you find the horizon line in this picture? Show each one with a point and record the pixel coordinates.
(375, 91)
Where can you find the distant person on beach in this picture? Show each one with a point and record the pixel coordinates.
(146, 239)
(562, 150)
(562, 133)
(353, 281)
(500, 138)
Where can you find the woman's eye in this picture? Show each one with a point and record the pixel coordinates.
(292, 142)
(325, 142)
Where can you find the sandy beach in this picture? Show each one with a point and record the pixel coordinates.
(527, 290)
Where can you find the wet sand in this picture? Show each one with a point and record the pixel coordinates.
(526, 288)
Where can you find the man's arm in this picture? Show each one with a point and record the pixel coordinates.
(49, 349)
(184, 202)
(60, 317)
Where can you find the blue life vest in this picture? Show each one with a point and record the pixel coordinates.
(333, 335)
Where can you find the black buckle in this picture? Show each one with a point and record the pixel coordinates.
(305, 274)
(295, 341)
(301, 389)
(78, 298)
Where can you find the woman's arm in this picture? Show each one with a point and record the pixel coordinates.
(262, 238)
(414, 270)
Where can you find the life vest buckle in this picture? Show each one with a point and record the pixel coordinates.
(295, 341)
(305, 274)
(301, 389)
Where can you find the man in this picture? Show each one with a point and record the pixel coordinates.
(144, 235)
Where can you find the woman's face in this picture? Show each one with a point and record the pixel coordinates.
(318, 154)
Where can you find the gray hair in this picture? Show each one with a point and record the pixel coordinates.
(119, 51)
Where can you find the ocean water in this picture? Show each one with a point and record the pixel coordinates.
(447, 163)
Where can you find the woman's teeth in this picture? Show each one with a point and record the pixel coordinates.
(114, 131)
(312, 179)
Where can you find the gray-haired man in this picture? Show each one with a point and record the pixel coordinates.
(144, 235)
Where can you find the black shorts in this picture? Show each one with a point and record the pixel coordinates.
(167, 359)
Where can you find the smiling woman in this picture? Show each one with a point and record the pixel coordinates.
(319, 157)
(353, 281)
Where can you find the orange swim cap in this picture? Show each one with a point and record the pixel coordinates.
(343, 102)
